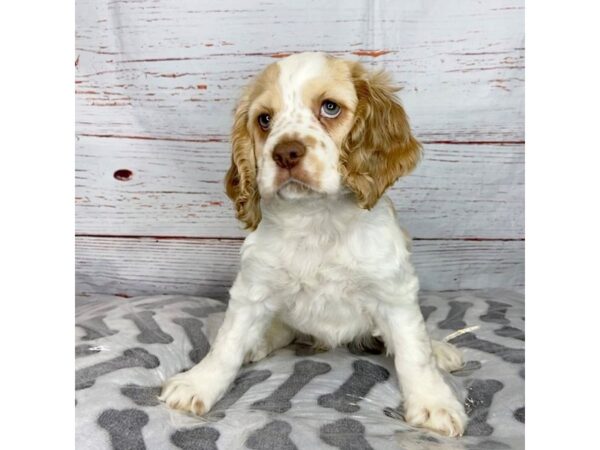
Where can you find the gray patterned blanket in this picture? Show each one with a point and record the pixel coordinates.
(296, 398)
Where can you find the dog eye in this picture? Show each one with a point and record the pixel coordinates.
(330, 109)
(264, 121)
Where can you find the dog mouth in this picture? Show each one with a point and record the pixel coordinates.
(293, 188)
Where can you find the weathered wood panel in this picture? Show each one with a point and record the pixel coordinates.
(173, 69)
(156, 82)
(136, 266)
(176, 189)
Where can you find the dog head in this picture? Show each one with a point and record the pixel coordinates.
(313, 125)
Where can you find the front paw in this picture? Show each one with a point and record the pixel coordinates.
(444, 416)
(187, 392)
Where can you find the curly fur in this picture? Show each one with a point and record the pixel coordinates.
(380, 148)
(240, 181)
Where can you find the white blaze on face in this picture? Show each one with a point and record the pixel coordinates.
(301, 82)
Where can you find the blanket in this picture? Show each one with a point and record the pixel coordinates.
(296, 398)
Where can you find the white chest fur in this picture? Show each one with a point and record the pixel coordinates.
(324, 266)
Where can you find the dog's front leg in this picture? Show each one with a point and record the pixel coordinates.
(428, 400)
(198, 389)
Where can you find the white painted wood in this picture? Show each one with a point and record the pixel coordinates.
(156, 82)
(173, 69)
(136, 266)
(176, 189)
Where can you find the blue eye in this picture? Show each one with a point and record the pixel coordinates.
(264, 121)
(330, 109)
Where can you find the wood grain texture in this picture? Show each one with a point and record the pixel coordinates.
(165, 69)
(176, 189)
(138, 266)
(156, 82)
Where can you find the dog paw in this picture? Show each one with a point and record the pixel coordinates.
(444, 417)
(187, 392)
(448, 357)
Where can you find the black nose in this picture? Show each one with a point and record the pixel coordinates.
(288, 154)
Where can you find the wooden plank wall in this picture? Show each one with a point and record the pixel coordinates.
(156, 82)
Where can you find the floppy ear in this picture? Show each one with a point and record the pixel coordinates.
(380, 147)
(240, 181)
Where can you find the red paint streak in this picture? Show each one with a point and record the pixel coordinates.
(156, 60)
(279, 55)
(485, 68)
(270, 55)
(215, 203)
(202, 87)
(474, 142)
(373, 53)
(153, 138)
(161, 238)
(477, 53)
(209, 45)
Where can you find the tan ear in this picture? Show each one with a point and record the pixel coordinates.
(240, 181)
(380, 147)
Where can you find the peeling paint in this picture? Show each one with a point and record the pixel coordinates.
(373, 53)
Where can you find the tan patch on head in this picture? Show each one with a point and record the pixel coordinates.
(266, 82)
(309, 141)
(265, 98)
(335, 84)
(313, 164)
(316, 170)
(240, 181)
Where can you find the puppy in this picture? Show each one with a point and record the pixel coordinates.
(316, 142)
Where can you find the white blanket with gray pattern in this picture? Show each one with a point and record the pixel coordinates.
(295, 398)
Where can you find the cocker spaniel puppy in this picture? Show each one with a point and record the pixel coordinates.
(316, 142)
